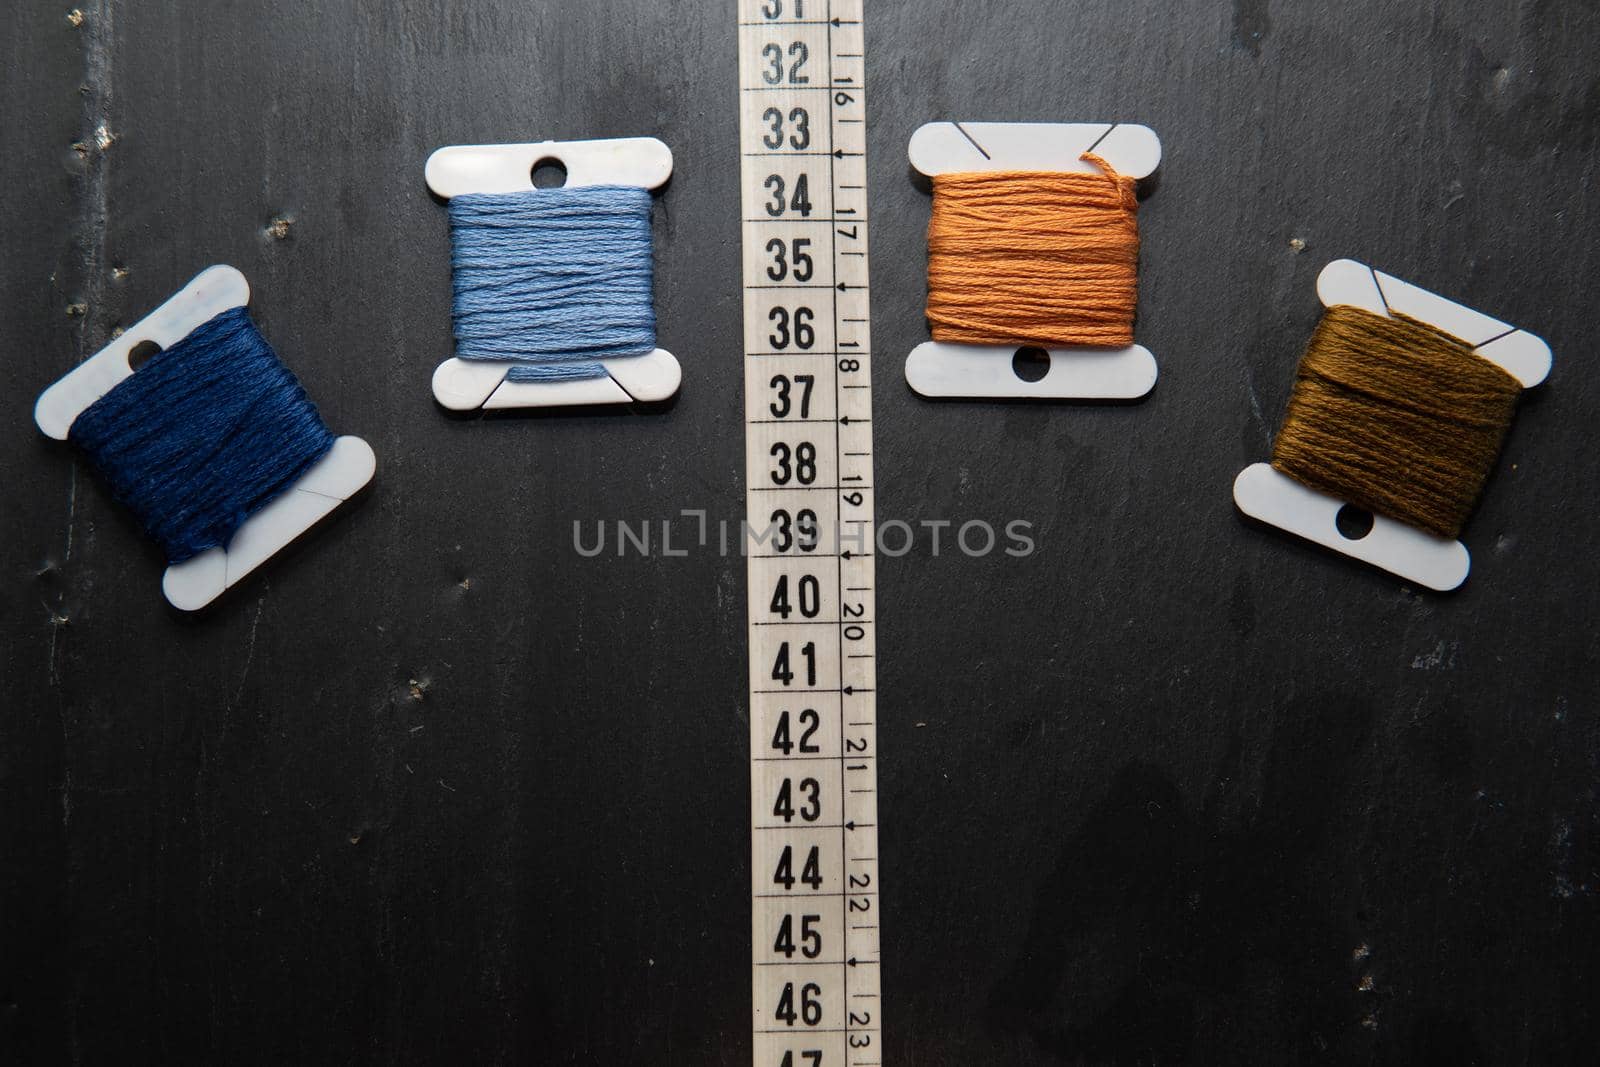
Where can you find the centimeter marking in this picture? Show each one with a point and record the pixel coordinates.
(814, 900)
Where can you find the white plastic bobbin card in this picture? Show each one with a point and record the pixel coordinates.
(469, 384)
(331, 481)
(940, 369)
(1263, 493)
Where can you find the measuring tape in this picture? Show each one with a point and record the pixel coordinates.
(814, 906)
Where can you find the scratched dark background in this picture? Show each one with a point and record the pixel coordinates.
(436, 789)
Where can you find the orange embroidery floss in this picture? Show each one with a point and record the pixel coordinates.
(1034, 258)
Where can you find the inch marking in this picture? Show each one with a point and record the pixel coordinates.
(815, 904)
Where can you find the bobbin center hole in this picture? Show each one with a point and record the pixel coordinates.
(1353, 523)
(1031, 363)
(142, 353)
(549, 173)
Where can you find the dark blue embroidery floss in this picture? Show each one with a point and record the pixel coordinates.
(204, 435)
(555, 279)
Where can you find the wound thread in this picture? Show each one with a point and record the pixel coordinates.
(1033, 258)
(1397, 417)
(204, 435)
(555, 279)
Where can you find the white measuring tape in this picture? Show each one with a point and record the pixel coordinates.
(815, 909)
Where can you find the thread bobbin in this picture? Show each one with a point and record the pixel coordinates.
(471, 384)
(343, 471)
(1265, 494)
(939, 369)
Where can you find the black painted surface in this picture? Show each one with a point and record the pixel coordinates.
(437, 789)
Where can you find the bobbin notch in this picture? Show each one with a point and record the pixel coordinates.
(472, 384)
(940, 369)
(347, 467)
(1263, 493)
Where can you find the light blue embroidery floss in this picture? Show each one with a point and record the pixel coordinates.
(554, 279)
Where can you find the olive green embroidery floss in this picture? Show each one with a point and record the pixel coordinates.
(1397, 417)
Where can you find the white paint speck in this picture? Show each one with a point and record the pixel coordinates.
(1442, 658)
